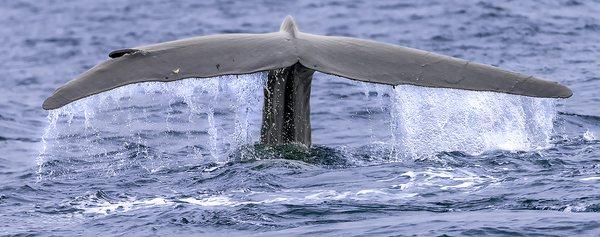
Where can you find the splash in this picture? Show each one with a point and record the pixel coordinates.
(426, 121)
(202, 120)
(209, 120)
(589, 136)
(429, 121)
(41, 158)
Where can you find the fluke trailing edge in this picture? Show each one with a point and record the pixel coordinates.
(291, 57)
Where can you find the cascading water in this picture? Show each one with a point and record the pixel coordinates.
(206, 120)
(429, 121)
(425, 121)
(203, 118)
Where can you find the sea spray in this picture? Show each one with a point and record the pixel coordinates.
(410, 122)
(211, 116)
(434, 120)
(41, 158)
(246, 105)
(214, 117)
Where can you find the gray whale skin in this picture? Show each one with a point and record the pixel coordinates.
(291, 57)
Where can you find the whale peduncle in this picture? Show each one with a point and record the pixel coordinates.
(286, 111)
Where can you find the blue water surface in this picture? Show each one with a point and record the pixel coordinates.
(182, 158)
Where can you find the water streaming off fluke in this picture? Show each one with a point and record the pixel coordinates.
(207, 120)
(435, 120)
(202, 120)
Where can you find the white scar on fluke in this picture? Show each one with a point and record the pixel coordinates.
(291, 57)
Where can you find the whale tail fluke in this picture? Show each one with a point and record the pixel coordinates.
(357, 59)
(290, 57)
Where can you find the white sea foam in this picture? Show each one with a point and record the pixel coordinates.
(444, 179)
(106, 207)
(590, 179)
(92, 205)
(327, 195)
(210, 201)
(589, 136)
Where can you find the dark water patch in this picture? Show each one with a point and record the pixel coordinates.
(587, 118)
(28, 81)
(21, 139)
(441, 38)
(318, 155)
(56, 42)
(395, 6)
(490, 6)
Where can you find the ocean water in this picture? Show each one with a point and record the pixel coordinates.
(183, 158)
